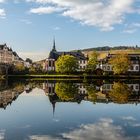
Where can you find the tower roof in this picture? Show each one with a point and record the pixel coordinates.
(54, 47)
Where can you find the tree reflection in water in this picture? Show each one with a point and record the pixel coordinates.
(120, 93)
(71, 91)
(66, 91)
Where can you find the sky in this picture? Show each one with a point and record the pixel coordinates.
(29, 26)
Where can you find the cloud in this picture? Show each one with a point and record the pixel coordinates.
(128, 118)
(2, 13)
(136, 125)
(99, 13)
(26, 21)
(130, 31)
(56, 28)
(104, 129)
(44, 10)
(45, 137)
(2, 134)
(131, 28)
(2, 1)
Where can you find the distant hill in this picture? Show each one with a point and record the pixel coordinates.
(103, 51)
(108, 48)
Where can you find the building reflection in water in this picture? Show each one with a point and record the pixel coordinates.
(117, 92)
(62, 91)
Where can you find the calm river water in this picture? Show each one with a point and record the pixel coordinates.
(70, 110)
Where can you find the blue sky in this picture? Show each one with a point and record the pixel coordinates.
(28, 26)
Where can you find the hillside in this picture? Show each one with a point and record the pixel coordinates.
(108, 48)
(103, 51)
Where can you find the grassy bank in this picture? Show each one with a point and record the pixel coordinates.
(84, 76)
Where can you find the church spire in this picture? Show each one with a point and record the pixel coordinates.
(53, 104)
(54, 47)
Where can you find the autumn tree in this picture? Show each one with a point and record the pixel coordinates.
(92, 63)
(66, 64)
(120, 92)
(120, 63)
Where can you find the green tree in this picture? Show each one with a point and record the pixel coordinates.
(92, 63)
(120, 63)
(66, 91)
(29, 60)
(19, 68)
(66, 64)
(120, 92)
(32, 70)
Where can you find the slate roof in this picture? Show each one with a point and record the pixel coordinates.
(4, 45)
(55, 55)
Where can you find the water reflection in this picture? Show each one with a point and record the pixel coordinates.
(117, 92)
(100, 110)
(62, 91)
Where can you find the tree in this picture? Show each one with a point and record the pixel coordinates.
(92, 63)
(32, 70)
(19, 67)
(66, 64)
(120, 92)
(29, 60)
(120, 63)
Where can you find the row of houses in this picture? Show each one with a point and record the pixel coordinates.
(49, 63)
(8, 56)
(134, 59)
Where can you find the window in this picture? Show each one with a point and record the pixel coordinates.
(137, 87)
(50, 90)
(104, 67)
(137, 67)
(108, 67)
(49, 63)
(132, 87)
(108, 86)
(53, 64)
(131, 68)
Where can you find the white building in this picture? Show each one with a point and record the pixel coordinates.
(8, 56)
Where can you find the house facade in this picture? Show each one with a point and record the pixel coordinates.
(49, 63)
(134, 59)
(8, 56)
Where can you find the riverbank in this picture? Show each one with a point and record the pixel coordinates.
(84, 76)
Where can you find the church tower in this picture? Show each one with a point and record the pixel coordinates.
(54, 47)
